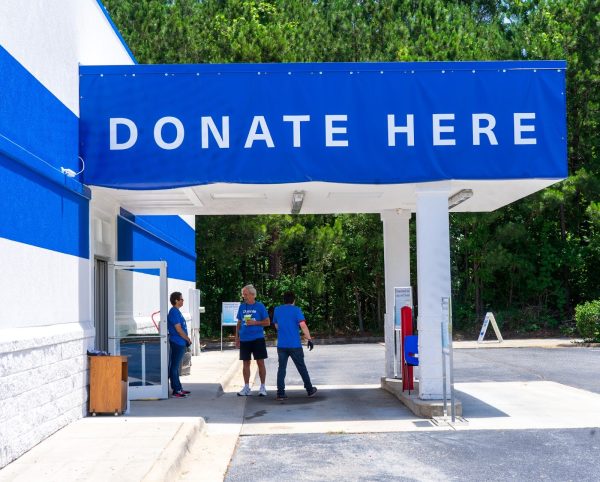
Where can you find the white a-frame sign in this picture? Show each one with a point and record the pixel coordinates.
(489, 316)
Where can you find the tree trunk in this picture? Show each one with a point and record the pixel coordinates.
(565, 268)
(361, 326)
(275, 264)
(379, 303)
(476, 281)
(244, 270)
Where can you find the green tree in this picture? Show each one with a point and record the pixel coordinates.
(531, 262)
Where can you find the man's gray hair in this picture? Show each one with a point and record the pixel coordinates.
(250, 288)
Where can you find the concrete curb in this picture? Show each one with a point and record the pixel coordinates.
(226, 379)
(168, 464)
(211, 346)
(518, 343)
(457, 344)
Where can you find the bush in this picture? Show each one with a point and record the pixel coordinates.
(587, 317)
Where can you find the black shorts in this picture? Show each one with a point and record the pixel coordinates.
(257, 348)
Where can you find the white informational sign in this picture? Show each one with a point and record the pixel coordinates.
(193, 301)
(445, 325)
(402, 298)
(229, 313)
(489, 316)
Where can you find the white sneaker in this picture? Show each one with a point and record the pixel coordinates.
(244, 392)
(262, 392)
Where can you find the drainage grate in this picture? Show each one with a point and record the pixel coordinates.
(422, 423)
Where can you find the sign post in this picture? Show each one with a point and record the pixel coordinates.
(447, 373)
(228, 315)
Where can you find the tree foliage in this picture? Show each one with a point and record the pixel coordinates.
(531, 262)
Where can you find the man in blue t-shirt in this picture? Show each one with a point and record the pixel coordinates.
(287, 319)
(178, 342)
(252, 317)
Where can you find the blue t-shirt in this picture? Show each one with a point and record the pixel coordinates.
(176, 318)
(257, 311)
(288, 318)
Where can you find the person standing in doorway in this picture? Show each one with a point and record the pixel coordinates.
(252, 317)
(178, 342)
(288, 318)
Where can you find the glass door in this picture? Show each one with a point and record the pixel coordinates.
(138, 324)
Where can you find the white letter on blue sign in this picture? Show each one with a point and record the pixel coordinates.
(408, 129)
(222, 140)
(487, 130)
(253, 135)
(158, 133)
(330, 130)
(133, 133)
(438, 129)
(519, 116)
(295, 120)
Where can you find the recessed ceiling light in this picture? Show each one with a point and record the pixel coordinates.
(297, 200)
(460, 197)
(238, 195)
(354, 195)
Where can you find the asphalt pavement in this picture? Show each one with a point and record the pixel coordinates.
(531, 413)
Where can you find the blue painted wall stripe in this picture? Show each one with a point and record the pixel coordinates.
(145, 238)
(39, 212)
(34, 119)
(39, 205)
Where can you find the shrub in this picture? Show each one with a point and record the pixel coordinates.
(587, 317)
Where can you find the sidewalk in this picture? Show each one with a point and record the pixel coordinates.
(148, 444)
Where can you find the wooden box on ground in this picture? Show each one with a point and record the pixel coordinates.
(108, 384)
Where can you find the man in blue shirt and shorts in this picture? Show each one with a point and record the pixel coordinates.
(252, 317)
(287, 319)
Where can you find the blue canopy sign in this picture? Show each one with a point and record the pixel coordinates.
(167, 126)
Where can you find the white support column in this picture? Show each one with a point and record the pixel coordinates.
(396, 252)
(433, 281)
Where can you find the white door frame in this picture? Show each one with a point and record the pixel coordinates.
(150, 391)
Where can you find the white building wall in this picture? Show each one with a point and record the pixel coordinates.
(41, 287)
(52, 37)
(46, 321)
(44, 378)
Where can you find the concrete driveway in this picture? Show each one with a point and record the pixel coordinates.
(531, 413)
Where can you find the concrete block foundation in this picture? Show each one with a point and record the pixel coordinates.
(421, 408)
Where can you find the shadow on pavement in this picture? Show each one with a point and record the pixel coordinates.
(474, 408)
(330, 404)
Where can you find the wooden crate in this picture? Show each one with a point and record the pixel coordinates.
(108, 384)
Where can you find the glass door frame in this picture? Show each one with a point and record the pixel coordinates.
(149, 391)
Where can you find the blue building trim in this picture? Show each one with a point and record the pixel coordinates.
(39, 205)
(156, 238)
(40, 212)
(116, 30)
(35, 127)
(16, 153)
(407, 67)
